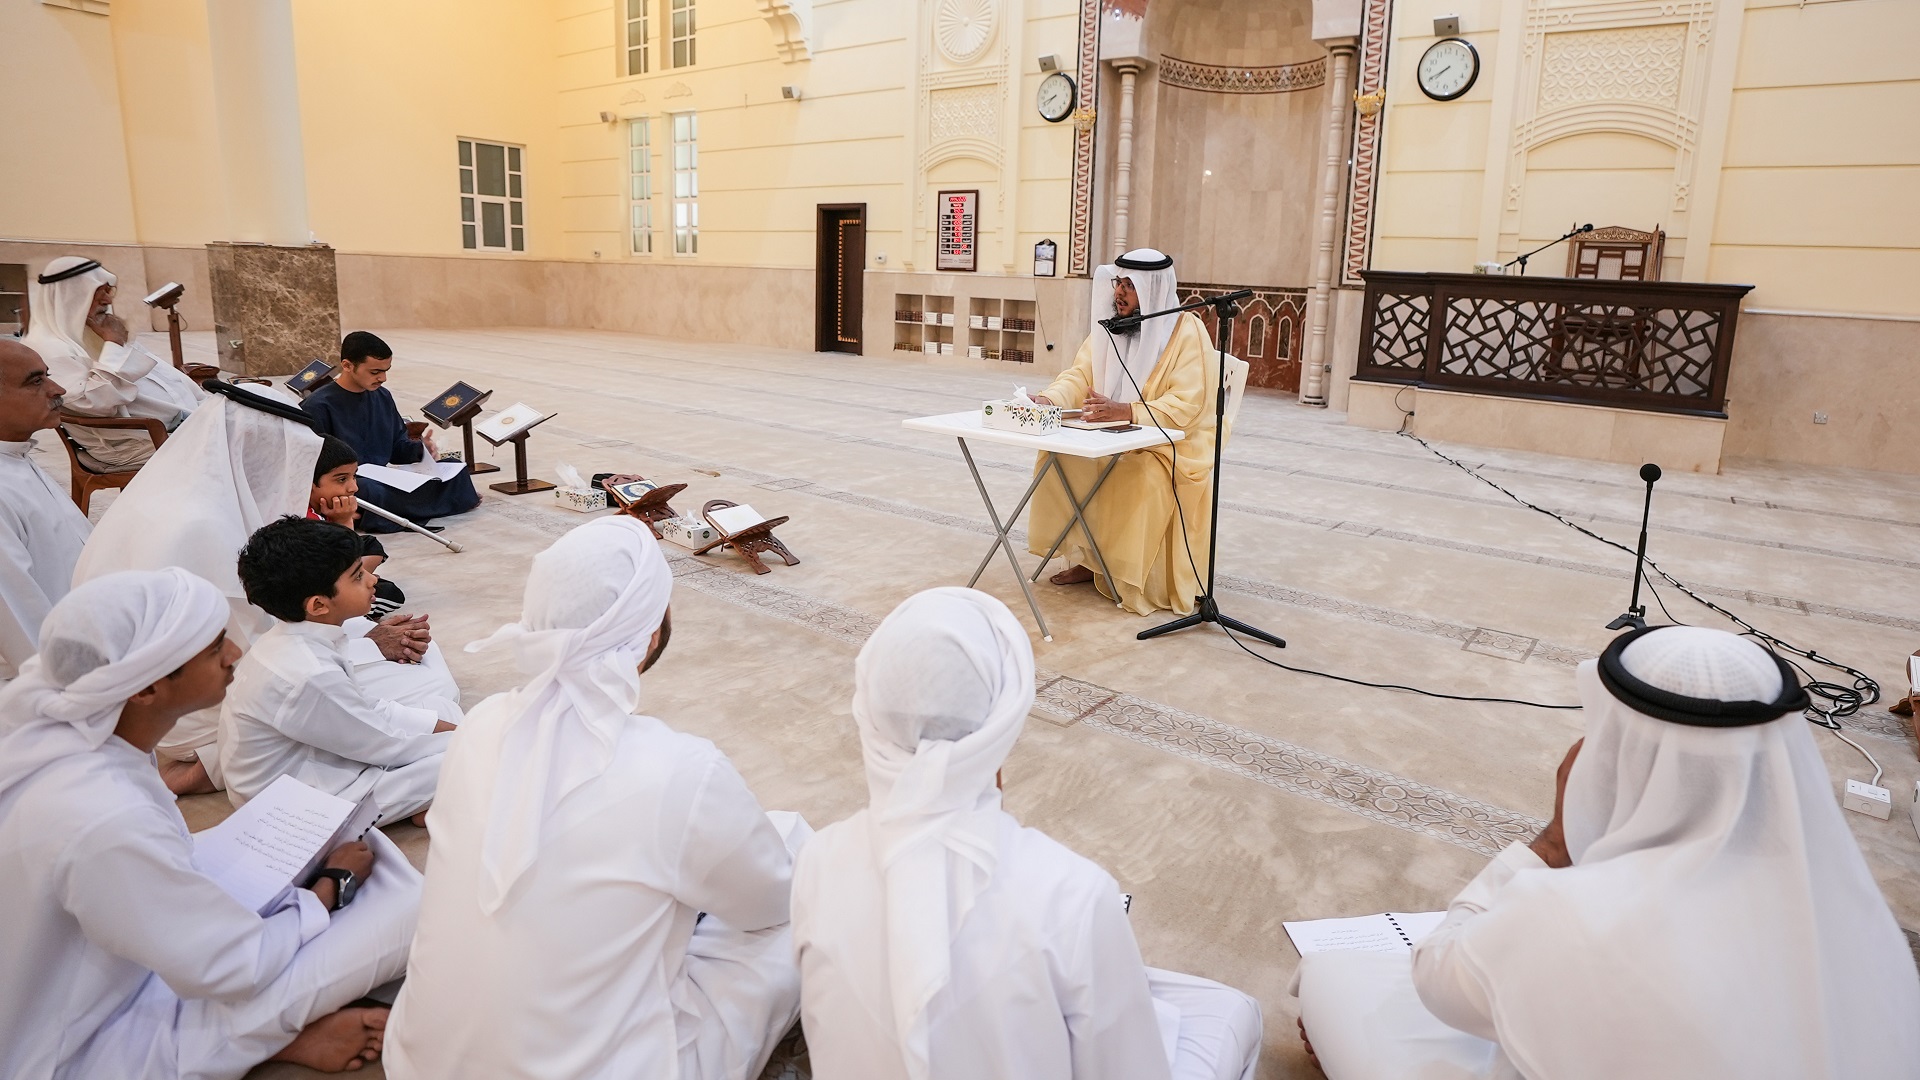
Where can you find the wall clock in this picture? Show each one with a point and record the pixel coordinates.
(1055, 98)
(1448, 69)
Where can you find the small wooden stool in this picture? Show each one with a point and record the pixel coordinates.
(651, 508)
(751, 541)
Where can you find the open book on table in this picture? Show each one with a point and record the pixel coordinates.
(1393, 931)
(278, 840)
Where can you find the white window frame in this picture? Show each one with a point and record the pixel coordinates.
(686, 182)
(640, 186)
(511, 200)
(638, 12)
(680, 33)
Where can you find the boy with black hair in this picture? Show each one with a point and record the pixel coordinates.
(296, 707)
(336, 487)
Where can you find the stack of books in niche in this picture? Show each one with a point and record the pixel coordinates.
(455, 404)
(309, 378)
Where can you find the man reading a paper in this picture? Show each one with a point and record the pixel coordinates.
(122, 958)
(1695, 908)
(1151, 517)
(358, 408)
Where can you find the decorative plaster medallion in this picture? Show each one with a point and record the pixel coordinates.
(962, 28)
(679, 89)
(1638, 64)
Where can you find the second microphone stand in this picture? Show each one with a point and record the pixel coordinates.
(1206, 610)
(1522, 259)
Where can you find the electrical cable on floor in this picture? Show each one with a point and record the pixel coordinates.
(1844, 699)
(1174, 483)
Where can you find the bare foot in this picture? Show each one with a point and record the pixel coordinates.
(186, 777)
(1078, 575)
(339, 1042)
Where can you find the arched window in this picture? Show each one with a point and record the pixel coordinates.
(1283, 349)
(1256, 337)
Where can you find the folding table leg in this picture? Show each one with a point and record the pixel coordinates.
(1079, 518)
(1000, 534)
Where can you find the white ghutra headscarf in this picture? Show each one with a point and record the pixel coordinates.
(101, 644)
(941, 691)
(1134, 354)
(1718, 909)
(57, 329)
(593, 601)
(228, 470)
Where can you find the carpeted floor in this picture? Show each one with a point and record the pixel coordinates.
(1225, 794)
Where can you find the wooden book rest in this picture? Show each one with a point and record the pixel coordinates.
(751, 541)
(651, 507)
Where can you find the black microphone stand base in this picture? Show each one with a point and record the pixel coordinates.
(1636, 618)
(1209, 612)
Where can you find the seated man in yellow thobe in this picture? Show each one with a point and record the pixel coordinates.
(1165, 371)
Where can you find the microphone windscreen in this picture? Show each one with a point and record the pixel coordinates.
(1649, 472)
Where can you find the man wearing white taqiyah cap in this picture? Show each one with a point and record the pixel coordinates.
(940, 940)
(1696, 908)
(106, 372)
(604, 896)
(243, 459)
(1163, 370)
(122, 959)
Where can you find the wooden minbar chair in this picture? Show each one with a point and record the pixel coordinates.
(88, 479)
(651, 507)
(751, 542)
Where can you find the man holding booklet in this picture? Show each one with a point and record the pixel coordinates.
(124, 959)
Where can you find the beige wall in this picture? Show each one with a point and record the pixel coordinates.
(64, 156)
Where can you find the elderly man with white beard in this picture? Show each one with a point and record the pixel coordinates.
(41, 531)
(605, 897)
(122, 958)
(1696, 907)
(105, 371)
(940, 940)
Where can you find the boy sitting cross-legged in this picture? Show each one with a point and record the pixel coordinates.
(296, 706)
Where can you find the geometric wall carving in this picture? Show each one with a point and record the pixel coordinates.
(1634, 63)
(965, 111)
(1277, 79)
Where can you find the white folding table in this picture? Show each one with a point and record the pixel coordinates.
(1071, 442)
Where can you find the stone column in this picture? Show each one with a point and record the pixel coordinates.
(276, 301)
(1333, 187)
(1129, 70)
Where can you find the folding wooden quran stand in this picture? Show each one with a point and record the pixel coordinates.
(520, 485)
(512, 425)
(647, 503)
(751, 541)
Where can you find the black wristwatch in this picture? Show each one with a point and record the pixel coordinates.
(344, 885)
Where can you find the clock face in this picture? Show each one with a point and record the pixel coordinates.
(1448, 69)
(1055, 99)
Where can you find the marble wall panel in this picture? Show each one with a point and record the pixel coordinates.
(1862, 374)
(275, 309)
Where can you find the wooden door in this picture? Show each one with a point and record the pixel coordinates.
(840, 262)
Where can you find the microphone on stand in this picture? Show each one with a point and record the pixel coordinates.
(1120, 324)
(1636, 613)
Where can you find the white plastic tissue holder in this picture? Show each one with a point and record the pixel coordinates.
(1024, 417)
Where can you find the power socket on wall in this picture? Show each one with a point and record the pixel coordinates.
(1819, 418)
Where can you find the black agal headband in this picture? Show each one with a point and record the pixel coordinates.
(1695, 712)
(1125, 262)
(71, 271)
(261, 402)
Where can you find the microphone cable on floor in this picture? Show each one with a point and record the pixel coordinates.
(1174, 484)
(1844, 699)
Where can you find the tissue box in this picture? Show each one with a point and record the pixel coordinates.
(686, 532)
(585, 500)
(1007, 415)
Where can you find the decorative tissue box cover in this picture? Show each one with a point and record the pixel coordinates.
(687, 532)
(1008, 415)
(585, 500)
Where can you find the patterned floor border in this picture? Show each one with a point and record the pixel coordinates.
(1063, 700)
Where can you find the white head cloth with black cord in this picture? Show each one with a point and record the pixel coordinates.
(240, 461)
(940, 692)
(1122, 362)
(59, 299)
(1718, 910)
